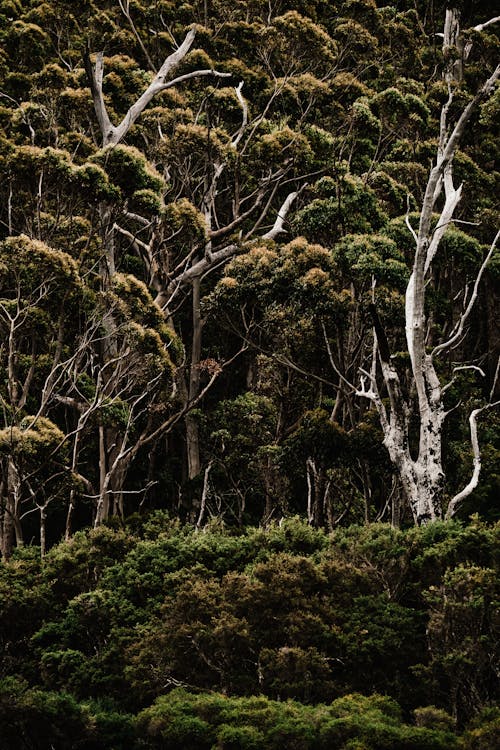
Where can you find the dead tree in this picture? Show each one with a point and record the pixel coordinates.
(421, 475)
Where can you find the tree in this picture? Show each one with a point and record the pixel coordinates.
(153, 168)
(41, 292)
(421, 472)
(173, 274)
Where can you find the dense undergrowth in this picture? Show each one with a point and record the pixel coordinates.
(158, 636)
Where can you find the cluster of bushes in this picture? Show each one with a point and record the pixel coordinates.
(162, 635)
(211, 721)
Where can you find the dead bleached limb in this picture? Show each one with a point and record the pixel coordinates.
(214, 259)
(244, 116)
(125, 8)
(420, 471)
(482, 26)
(457, 500)
(204, 495)
(461, 368)
(278, 225)
(113, 134)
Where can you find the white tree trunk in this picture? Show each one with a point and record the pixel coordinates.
(421, 475)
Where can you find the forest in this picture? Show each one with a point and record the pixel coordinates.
(249, 374)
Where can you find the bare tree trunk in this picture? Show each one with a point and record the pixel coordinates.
(102, 509)
(111, 134)
(68, 531)
(317, 494)
(108, 263)
(422, 476)
(204, 495)
(6, 518)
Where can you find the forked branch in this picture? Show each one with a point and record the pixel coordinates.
(113, 134)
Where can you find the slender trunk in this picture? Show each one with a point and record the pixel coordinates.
(102, 510)
(117, 486)
(12, 523)
(270, 492)
(108, 262)
(367, 489)
(397, 507)
(310, 490)
(204, 496)
(192, 432)
(109, 351)
(6, 520)
(43, 537)
(69, 515)
(7, 535)
(317, 494)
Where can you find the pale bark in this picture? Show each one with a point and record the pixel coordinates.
(12, 530)
(125, 8)
(172, 283)
(457, 500)
(421, 476)
(113, 457)
(318, 489)
(113, 134)
(204, 495)
(43, 529)
(279, 224)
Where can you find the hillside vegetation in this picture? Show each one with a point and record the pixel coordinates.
(206, 217)
(158, 636)
(249, 365)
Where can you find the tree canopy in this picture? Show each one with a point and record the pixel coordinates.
(249, 365)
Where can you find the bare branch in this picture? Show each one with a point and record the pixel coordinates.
(237, 138)
(458, 369)
(332, 361)
(132, 237)
(278, 226)
(456, 501)
(112, 134)
(217, 233)
(200, 268)
(495, 379)
(460, 327)
(95, 76)
(189, 76)
(482, 26)
(451, 202)
(204, 494)
(363, 391)
(407, 219)
(125, 7)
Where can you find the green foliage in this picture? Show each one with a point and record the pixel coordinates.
(372, 723)
(25, 262)
(128, 169)
(372, 256)
(350, 207)
(482, 734)
(461, 637)
(289, 613)
(340, 635)
(39, 719)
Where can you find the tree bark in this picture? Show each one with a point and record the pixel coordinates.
(422, 476)
(192, 432)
